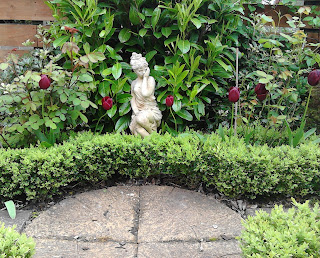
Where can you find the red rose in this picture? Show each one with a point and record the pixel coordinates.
(261, 91)
(169, 101)
(234, 94)
(107, 103)
(314, 77)
(44, 82)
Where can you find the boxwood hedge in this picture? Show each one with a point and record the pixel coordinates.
(232, 167)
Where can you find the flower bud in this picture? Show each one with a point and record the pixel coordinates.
(44, 82)
(234, 94)
(261, 91)
(107, 103)
(314, 77)
(169, 101)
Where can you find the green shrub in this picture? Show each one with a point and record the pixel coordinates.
(13, 244)
(232, 166)
(295, 233)
(237, 169)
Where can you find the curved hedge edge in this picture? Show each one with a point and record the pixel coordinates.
(232, 167)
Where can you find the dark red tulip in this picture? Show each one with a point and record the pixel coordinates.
(261, 91)
(169, 101)
(44, 82)
(107, 103)
(234, 94)
(314, 77)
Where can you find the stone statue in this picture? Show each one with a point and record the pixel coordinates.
(146, 116)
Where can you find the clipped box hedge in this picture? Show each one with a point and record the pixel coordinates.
(232, 167)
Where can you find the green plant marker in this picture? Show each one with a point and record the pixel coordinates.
(11, 209)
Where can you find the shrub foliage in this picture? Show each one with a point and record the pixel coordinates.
(295, 233)
(234, 168)
(12, 244)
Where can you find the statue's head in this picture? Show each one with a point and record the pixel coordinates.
(137, 61)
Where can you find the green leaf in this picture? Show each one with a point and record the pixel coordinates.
(122, 123)
(111, 112)
(124, 35)
(76, 102)
(150, 55)
(221, 132)
(177, 105)
(60, 41)
(124, 108)
(133, 15)
(63, 98)
(4, 66)
(166, 31)
(196, 22)
(86, 48)
(83, 117)
(142, 32)
(116, 71)
(185, 115)
(157, 34)
(309, 133)
(11, 208)
(85, 77)
(123, 98)
(104, 88)
(84, 104)
(88, 32)
(184, 46)
(289, 133)
(155, 17)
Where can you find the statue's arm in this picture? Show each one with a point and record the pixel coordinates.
(148, 84)
(133, 100)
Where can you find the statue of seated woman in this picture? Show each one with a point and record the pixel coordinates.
(146, 116)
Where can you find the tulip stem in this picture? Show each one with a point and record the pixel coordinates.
(305, 111)
(95, 130)
(232, 116)
(237, 85)
(175, 122)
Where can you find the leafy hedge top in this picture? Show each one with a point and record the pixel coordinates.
(234, 168)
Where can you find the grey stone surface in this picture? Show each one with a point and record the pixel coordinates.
(146, 221)
(48, 248)
(102, 214)
(168, 214)
(187, 249)
(20, 220)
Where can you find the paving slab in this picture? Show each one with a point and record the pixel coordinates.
(146, 221)
(106, 214)
(171, 214)
(49, 248)
(20, 220)
(189, 250)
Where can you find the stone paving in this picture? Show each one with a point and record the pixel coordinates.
(136, 221)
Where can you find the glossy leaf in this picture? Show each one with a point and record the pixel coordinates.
(133, 15)
(122, 123)
(185, 115)
(155, 17)
(60, 41)
(166, 31)
(124, 108)
(124, 35)
(142, 32)
(111, 112)
(184, 46)
(116, 71)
